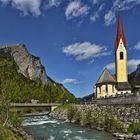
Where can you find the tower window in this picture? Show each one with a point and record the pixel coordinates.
(121, 55)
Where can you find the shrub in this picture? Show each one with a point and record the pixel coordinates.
(85, 117)
(71, 112)
(15, 119)
(134, 128)
(76, 118)
(94, 121)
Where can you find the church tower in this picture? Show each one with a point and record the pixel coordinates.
(121, 54)
(110, 85)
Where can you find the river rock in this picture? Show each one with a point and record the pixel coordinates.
(136, 137)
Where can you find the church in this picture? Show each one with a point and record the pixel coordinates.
(110, 85)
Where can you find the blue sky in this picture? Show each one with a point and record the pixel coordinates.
(73, 38)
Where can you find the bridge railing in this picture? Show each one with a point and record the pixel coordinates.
(32, 104)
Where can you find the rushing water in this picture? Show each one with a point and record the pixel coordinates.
(46, 128)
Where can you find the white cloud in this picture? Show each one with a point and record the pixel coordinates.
(85, 50)
(91, 61)
(94, 17)
(52, 3)
(70, 81)
(76, 9)
(25, 6)
(95, 1)
(110, 16)
(126, 4)
(137, 46)
(110, 66)
(132, 65)
(4, 1)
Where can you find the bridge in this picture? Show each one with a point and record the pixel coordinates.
(24, 105)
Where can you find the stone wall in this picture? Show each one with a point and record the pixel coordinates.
(131, 99)
(128, 114)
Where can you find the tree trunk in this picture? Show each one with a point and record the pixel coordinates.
(7, 116)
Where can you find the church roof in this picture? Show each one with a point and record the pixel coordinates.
(120, 33)
(106, 77)
(123, 86)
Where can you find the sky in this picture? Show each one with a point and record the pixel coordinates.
(73, 38)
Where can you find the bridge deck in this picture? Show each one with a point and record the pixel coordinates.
(32, 105)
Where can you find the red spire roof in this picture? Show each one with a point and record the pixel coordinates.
(120, 33)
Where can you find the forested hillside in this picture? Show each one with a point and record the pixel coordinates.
(134, 77)
(18, 88)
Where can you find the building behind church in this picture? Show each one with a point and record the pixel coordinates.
(110, 85)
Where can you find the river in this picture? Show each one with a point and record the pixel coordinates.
(47, 128)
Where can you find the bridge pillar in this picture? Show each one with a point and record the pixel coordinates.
(53, 108)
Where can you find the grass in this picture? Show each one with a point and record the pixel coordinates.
(6, 134)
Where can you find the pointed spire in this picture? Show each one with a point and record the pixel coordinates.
(120, 33)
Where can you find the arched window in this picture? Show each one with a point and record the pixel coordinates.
(121, 55)
(113, 87)
(100, 89)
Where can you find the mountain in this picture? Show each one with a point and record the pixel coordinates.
(28, 65)
(87, 98)
(23, 77)
(134, 77)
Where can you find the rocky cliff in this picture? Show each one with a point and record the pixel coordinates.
(28, 65)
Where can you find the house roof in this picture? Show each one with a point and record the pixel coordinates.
(123, 86)
(106, 77)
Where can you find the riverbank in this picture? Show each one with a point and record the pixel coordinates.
(8, 134)
(20, 132)
(11, 125)
(20, 113)
(11, 133)
(120, 121)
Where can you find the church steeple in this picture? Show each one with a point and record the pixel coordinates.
(121, 54)
(120, 33)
